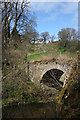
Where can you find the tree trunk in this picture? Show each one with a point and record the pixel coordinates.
(17, 17)
(5, 29)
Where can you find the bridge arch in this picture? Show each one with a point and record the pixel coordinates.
(52, 78)
(58, 67)
(37, 71)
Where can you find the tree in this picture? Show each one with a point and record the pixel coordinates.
(45, 36)
(52, 37)
(35, 36)
(30, 34)
(15, 16)
(66, 35)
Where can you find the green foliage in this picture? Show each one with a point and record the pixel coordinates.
(32, 99)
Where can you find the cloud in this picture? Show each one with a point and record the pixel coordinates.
(50, 17)
(69, 7)
(75, 18)
(49, 9)
(62, 7)
(56, 10)
(54, 0)
(44, 7)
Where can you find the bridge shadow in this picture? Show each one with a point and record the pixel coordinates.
(52, 79)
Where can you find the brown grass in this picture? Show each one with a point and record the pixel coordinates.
(16, 53)
(46, 57)
(64, 57)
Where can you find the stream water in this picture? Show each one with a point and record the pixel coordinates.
(31, 110)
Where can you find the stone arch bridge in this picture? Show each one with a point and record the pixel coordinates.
(37, 69)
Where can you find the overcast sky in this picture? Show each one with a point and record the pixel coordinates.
(53, 16)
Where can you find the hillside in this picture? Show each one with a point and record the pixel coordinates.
(49, 51)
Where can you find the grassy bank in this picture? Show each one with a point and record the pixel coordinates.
(49, 51)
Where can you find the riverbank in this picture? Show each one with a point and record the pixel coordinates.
(31, 94)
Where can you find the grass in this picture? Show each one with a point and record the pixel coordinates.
(21, 95)
(36, 56)
(49, 51)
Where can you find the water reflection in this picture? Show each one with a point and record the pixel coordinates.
(32, 110)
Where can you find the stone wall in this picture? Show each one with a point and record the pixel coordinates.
(37, 70)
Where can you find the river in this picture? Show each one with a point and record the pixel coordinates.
(31, 110)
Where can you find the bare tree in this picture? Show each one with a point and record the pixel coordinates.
(45, 36)
(35, 36)
(52, 37)
(66, 35)
(13, 14)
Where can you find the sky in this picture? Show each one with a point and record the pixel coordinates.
(53, 16)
